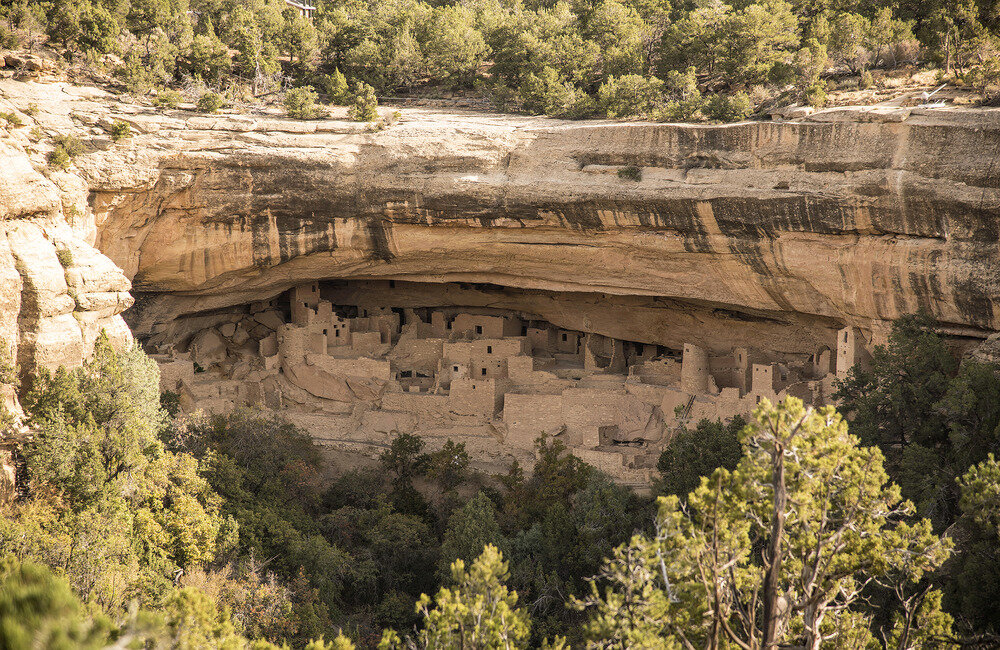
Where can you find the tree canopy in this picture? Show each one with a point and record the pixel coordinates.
(615, 58)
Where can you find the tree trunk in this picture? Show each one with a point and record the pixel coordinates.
(812, 623)
(947, 54)
(773, 557)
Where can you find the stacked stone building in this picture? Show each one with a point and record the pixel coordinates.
(356, 375)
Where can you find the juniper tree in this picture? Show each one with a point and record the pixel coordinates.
(776, 551)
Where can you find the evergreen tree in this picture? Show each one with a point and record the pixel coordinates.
(479, 612)
(817, 508)
(470, 527)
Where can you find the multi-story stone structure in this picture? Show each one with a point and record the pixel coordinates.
(499, 380)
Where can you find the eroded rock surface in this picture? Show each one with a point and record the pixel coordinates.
(766, 235)
(57, 292)
(852, 217)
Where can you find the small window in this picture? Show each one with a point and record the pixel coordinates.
(449, 325)
(336, 333)
(392, 284)
(484, 371)
(489, 349)
(324, 332)
(456, 368)
(406, 373)
(845, 337)
(564, 337)
(524, 330)
(479, 329)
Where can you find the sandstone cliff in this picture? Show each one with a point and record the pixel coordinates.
(57, 291)
(780, 233)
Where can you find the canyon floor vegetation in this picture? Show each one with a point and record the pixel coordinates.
(677, 60)
(136, 526)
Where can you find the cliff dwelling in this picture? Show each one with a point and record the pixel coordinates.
(356, 362)
(490, 278)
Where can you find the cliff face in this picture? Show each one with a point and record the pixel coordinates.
(57, 292)
(779, 233)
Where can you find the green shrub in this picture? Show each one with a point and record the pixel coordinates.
(815, 95)
(120, 130)
(630, 95)
(364, 103)
(32, 110)
(58, 158)
(549, 94)
(335, 87)
(630, 173)
(301, 103)
(210, 102)
(70, 144)
(38, 609)
(135, 75)
(66, 148)
(65, 257)
(985, 79)
(729, 108)
(867, 80)
(36, 133)
(8, 39)
(167, 99)
(682, 110)
(12, 119)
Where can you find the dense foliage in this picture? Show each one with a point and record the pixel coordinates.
(679, 60)
(693, 453)
(777, 552)
(938, 424)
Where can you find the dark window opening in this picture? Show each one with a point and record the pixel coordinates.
(479, 329)
(336, 333)
(392, 284)
(456, 368)
(484, 371)
(564, 337)
(324, 332)
(449, 325)
(489, 349)
(406, 374)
